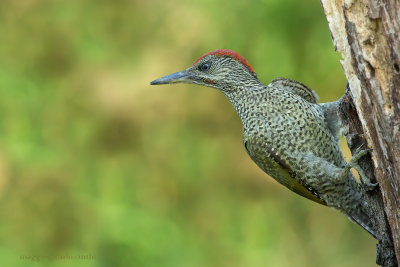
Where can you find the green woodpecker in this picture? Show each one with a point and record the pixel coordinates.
(286, 132)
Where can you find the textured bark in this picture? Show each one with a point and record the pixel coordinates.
(367, 34)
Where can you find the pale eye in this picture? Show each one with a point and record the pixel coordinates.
(205, 66)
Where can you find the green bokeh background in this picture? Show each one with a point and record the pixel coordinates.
(95, 161)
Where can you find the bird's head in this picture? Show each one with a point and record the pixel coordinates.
(222, 69)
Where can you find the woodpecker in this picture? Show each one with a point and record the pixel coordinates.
(285, 132)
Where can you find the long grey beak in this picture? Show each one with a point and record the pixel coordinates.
(177, 77)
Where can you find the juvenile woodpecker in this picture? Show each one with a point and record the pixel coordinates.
(286, 133)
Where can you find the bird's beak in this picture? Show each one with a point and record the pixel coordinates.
(177, 77)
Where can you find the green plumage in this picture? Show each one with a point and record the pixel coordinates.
(286, 133)
(279, 170)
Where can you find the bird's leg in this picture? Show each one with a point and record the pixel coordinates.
(334, 184)
(353, 163)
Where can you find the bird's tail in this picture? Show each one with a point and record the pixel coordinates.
(361, 218)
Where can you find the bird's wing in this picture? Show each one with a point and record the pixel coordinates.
(297, 88)
(268, 159)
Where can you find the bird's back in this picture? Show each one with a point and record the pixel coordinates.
(289, 122)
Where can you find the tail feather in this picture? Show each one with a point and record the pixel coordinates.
(362, 219)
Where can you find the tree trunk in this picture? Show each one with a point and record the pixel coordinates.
(367, 34)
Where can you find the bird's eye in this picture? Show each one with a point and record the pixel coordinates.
(205, 66)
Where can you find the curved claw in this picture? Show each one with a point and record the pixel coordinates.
(353, 163)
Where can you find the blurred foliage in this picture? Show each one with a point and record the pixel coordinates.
(94, 161)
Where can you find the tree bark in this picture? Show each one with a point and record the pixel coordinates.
(367, 34)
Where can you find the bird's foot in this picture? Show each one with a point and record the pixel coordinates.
(353, 163)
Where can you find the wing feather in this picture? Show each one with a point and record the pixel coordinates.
(269, 161)
(297, 88)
